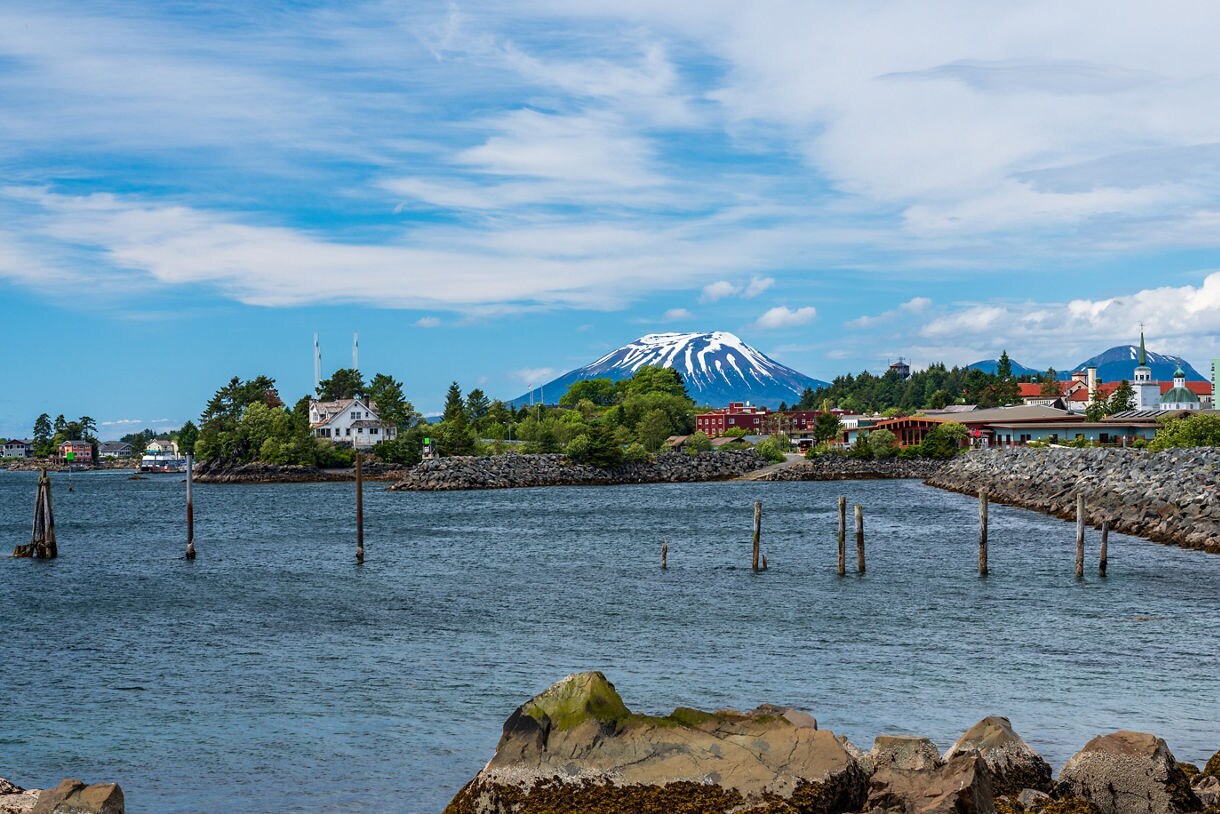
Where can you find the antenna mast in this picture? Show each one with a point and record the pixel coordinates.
(317, 362)
(356, 350)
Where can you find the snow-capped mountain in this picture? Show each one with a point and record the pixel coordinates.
(1018, 369)
(718, 368)
(1119, 363)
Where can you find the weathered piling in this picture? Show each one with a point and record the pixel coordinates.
(982, 534)
(1103, 560)
(1079, 535)
(190, 507)
(764, 562)
(842, 535)
(757, 533)
(859, 538)
(42, 543)
(359, 511)
(664, 554)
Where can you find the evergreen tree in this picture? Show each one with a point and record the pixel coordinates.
(1123, 398)
(187, 436)
(454, 404)
(42, 436)
(386, 392)
(344, 383)
(1051, 387)
(1097, 408)
(477, 405)
(1003, 367)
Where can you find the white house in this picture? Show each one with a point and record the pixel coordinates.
(162, 446)
(354, 422)
(16, 449)
(114, 449)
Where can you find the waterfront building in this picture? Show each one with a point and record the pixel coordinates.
(114, 449)
(162, 446)
(14, 448)
(350, 422)
(78, 452)
(738, 415)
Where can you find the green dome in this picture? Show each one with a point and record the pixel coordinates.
(1179, 395)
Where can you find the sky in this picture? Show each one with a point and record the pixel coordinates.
(495, 193)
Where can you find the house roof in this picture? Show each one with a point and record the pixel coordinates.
(107, 446)
(1018, 412)
(14, 441)
(1179, 395)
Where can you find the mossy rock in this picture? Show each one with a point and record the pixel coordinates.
(1070, 805)
(1213, 766)
(577, 699)
(1008, 805)
(1189, 769)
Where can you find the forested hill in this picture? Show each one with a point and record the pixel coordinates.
(929, 389)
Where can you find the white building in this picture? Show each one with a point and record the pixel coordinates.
(1147, 392)
(355, 422)
(162, 446)
(1179, 397)
(17, 449)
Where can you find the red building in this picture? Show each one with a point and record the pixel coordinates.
(738, 415)
(81, 451)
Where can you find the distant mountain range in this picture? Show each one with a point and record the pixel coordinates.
(1114, 364)
(718, 368)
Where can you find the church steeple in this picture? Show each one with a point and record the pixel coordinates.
(1142, 359)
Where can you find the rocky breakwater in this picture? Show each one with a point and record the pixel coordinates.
(842, 467)
(259, 472)
(508, 471)
(1168, 496)
(69, 797)
(576, 747)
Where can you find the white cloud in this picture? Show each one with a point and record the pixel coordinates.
(784, 317)
(119, 421)
(427, 322)
(1180, 320)
(756, 286)
(915, 305)
(534, 376)
(676, 314)
(719, 290)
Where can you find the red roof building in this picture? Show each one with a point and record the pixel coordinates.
(738, 415)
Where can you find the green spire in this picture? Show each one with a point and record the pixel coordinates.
(1143, 357)
(1179, 373)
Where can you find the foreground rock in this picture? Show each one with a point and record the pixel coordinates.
(959, 786)
(1129, 773)
(1165, 496)
(510, 471)
(69, 797)
(1012, 764)
(16, 800)
(577, 748)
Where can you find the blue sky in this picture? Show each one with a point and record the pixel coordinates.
(496, 193)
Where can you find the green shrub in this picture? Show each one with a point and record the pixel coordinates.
(699, 442)
(860, 449)
(735, 432)
(771, 449)
(907, 453)
(883, 443)
(821, 450)
(635, 453)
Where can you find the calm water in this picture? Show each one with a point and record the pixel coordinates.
(272, 674)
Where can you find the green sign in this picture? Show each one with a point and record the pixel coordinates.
(427, 441)
(71, 456)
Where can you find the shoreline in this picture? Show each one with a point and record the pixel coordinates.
(1169, 497)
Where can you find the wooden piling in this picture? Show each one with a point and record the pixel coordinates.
(359, 512)
(764, 562)
(1103, 561)
(664, 554)
(842, 535)
(42, 543)
(1079, 536)
(754, 564)
(982, 534)
(859, 538)
(190, 507)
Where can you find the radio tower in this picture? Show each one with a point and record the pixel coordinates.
(317, 362)
(356, 350)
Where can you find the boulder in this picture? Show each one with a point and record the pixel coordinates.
(14, 799)
(1033, 800)
(905, 752)
(1213, 766)
(74, 797)
(1129, 773)
(576, 747)
(960, 786)
(1207, 789)
(1010, 760)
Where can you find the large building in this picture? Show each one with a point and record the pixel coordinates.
(350, 422)
(1179, 397)
(739, 415)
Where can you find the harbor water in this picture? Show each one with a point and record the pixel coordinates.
(273, 674)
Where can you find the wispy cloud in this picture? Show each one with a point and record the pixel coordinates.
(428, 322)
(915, 305)
(534, 376)
(677, 315)
(784, 317)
